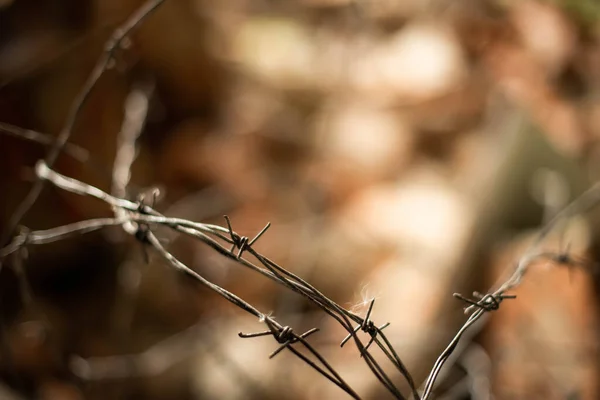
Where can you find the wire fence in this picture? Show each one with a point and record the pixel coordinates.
(139, 218)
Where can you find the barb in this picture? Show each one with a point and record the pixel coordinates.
(101, 66)
(367, 326)
(491, 301)
(137, 217)
(144, 216)
(250, 309)
(341, 315)
(242, 243)
(488, 302)
(143, 213)
(565, 259)
(269, 269)
(284, 336)
(370, 328)
(141, 228)
(589, 199)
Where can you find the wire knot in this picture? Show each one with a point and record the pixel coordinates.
(242, 243)
(285, 335)
(488, 302)
(368, 327)
(143, 230)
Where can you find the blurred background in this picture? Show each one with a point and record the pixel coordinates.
(403, 150)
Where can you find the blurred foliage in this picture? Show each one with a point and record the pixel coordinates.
(586, 11)
(402, 149)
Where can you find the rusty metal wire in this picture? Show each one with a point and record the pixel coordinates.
(114, 43)
(138, 219)
(491, 301)
(144, 215)
(212, 235)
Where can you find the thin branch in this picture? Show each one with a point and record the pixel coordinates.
(136, 111)
(78, 153)
(101, 66)
(58, 233)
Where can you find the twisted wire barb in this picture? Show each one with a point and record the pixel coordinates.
(367, 326)
(492, 300)
(145, 215)
(285, 336)
(488, 302)
(280, 333)
(137, 217)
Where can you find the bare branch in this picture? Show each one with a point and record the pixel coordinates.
(78, 153)
(136, 110)
(113, 44)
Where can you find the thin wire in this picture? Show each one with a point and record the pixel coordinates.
(58, 233)
(272, 270)
(239, 302)
(78, 153)
(590, 198)
(101, 66)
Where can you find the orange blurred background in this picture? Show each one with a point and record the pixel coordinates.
(403, 150)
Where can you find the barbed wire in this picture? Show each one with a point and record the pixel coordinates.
(140, 218)
(491, 301)
(144, 214)
(112, 45)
